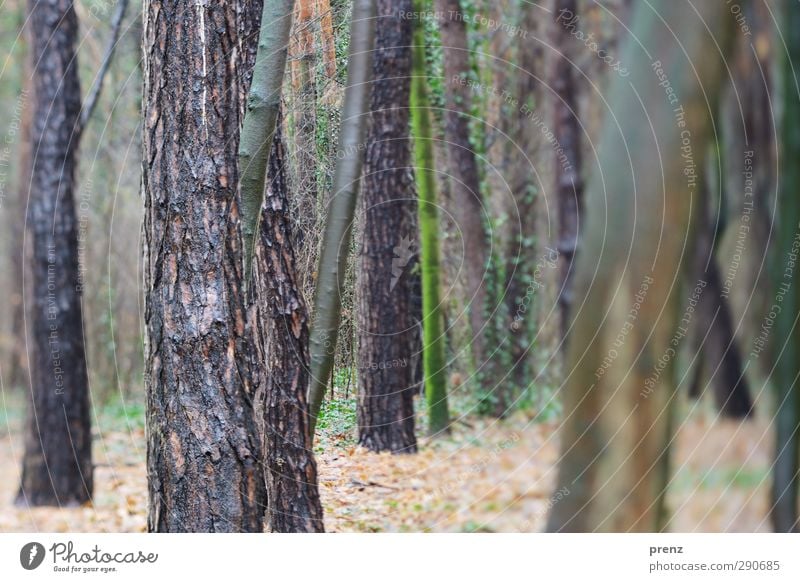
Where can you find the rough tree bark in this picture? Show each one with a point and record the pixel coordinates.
(203, 456)
(57, 466)
(617, 417)
(463, 167)
(567, 132)
(386, 328)
(338, 225)
(433, 336)
(282, 336)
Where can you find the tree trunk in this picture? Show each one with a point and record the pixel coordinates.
(341, 213)
(433, 337)
(617, 426)
(20, 249)
(57, 466)
(203, 457)
(465, 184)
(263, 103)
(786, 472)
(713, 337)
(304, 112)
(567, 133)
(386, 328)
(282, 336)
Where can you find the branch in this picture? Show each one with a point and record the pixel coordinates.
(94, 95)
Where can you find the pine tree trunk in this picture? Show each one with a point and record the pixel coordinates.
(57, 466)
(433, 336)
(386, 328)
(617, 427)
(468, 207)
(282, 336)
(203, 464)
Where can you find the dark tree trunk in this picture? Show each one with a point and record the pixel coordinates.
(203, 456)
(463, 167)
(387, 330)
(282, 333)
(57, 466)
(567, 132)
(714, 340)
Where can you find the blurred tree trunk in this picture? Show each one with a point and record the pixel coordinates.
(303, 58)
(567, 132)
(281, 325)
(617, 427)
(20, 252)
(786, 472)
(327, 40)
(719, 360)
(386, 327)
(57, 466)
(525, 181)
(203, 456)
(341, 213)
(433, 336)
(465, 184)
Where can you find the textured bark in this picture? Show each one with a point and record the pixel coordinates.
(617, 427)
(263, 103)
(463, 167)
(433, 336)
(386, 327)
(282, 336)
(346, 182)
(567, 132)
(57, 466)
(786, 468)
(203, 457)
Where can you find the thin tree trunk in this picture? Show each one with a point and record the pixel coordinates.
(263, 103)
(433, 337)
(713, 337)
(617, 426)
(57, 466)
(282, 333)
(341, 213)
(468, 207)
(567, 132)
(20, 249)
(386, 328)
(203, 457)
(786, 472)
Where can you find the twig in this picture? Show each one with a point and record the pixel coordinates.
(362, 484)
(94, 95)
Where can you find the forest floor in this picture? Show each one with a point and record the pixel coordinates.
(486, 476)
